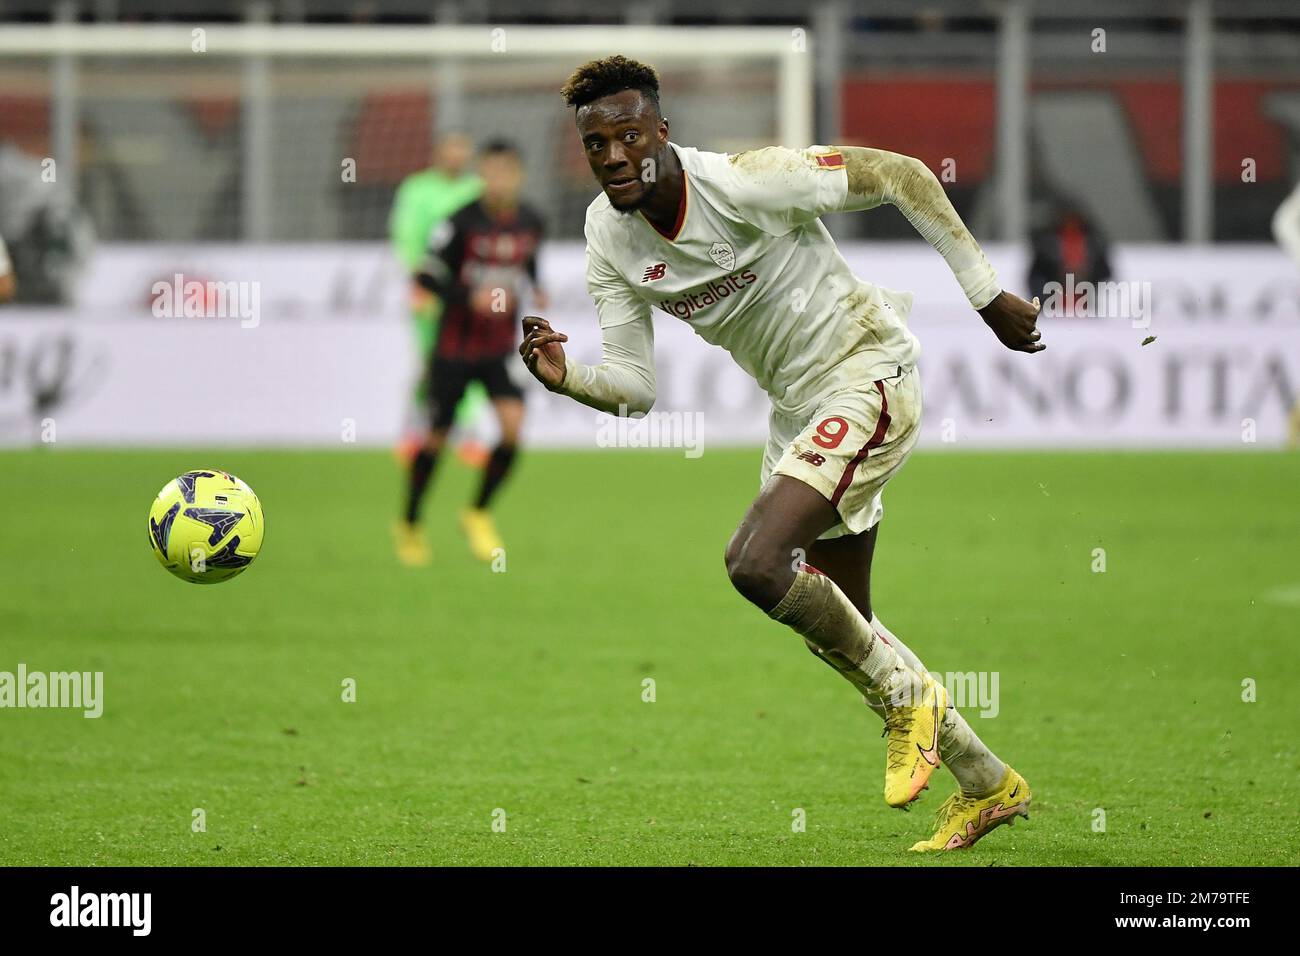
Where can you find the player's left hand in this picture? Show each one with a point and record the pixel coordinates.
(543, 352)
(1013, 321)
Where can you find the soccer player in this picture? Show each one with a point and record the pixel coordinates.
(481, 263)
(423, 201)
(732, 244)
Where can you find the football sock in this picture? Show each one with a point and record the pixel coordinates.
(817, 609)
(978, 771)
(498, 465)
(421, 471)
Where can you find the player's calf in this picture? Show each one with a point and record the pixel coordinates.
(763, 562)
(911, 704)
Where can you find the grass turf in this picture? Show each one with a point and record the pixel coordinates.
(523, 690)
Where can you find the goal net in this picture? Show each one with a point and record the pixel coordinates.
(245, 132)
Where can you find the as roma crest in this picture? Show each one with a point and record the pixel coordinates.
(723, 255)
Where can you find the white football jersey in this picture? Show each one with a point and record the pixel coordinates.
(752, 269)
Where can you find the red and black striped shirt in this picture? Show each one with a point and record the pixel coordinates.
(480, 265)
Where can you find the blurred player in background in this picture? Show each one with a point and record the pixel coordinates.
(423, 201)
(7, 286)
(480, 264)
(1067, 244)
(733, 244)
(51, 237)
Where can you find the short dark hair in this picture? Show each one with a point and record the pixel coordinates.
(610, 75)
(499, 147)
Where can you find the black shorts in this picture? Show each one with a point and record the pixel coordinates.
(448, 379)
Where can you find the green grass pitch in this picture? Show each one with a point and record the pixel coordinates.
(522, 691)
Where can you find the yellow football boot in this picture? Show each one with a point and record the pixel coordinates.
(912, 751)
(412, 549)
(963, 820)
(481, 532)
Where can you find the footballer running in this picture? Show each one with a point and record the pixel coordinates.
(732, 244)
(480, 264)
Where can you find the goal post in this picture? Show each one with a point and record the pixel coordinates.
(238, 130)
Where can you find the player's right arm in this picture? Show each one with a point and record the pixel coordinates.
(877, 176)
(439, 272)
(624, 381)
(778, 189)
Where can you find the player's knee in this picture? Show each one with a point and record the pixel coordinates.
(756, 572)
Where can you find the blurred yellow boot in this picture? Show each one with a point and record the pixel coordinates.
(412, 549)
(481, 532)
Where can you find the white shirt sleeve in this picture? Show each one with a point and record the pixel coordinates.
(777, 189)
(624, 382)
(5, 265)
(908, 184)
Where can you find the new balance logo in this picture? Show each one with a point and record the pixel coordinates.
(656, 271)
(813, 458)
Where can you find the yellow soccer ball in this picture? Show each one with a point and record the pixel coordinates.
(206, 526)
